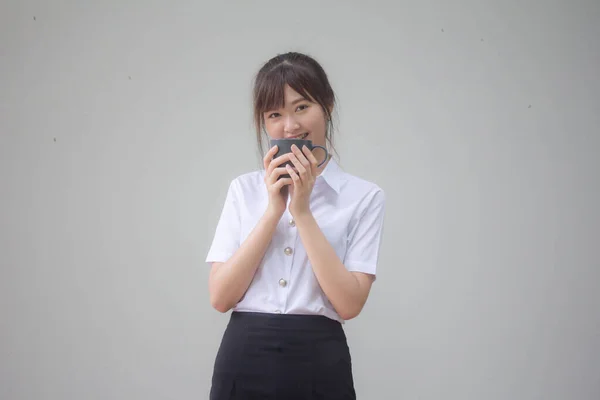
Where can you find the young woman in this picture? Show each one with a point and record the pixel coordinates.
(293, 257)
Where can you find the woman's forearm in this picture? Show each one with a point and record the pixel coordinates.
(340, 286)
(229, 281)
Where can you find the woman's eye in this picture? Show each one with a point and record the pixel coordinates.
(274, 115)
(302, 107)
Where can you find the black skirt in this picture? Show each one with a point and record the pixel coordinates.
(282, 356)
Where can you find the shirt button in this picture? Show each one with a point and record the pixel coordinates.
(288, 251)
(282, 282)
(292, 222)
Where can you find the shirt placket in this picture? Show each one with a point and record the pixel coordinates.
(288, 226)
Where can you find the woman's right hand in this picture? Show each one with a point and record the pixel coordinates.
(277, 196)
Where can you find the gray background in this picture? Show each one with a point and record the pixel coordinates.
(122, 123)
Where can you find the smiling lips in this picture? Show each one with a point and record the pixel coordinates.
(301, 136)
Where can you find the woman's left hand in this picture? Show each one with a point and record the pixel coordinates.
(303, 177)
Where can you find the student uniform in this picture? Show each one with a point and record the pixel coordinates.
(284, 339)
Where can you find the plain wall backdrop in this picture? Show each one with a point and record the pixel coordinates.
(123, 122)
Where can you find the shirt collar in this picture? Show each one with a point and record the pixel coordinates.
(333, 175)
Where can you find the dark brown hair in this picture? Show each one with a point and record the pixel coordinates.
(303, 74)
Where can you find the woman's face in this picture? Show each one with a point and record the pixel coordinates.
(299, 118)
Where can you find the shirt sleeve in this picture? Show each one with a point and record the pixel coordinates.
(363, 249)
(227, 234)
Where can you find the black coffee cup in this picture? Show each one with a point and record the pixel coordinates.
(284, 146)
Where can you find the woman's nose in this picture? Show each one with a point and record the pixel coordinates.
(291, 124)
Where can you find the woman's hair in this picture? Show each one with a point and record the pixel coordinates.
(303, 74)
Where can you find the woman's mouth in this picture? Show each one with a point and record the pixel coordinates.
(302, 136)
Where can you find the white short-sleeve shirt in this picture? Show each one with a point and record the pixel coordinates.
(350, 212)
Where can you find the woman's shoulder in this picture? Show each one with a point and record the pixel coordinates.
(363, 195)
(252, 181)
(355, 185)
(347, 183)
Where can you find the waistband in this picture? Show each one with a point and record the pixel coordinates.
(291, 322)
